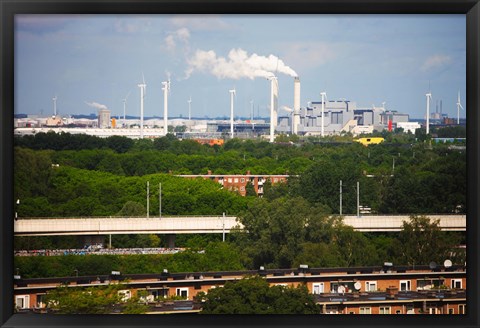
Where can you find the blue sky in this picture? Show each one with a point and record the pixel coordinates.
(368, 59)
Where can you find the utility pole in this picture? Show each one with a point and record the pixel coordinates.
(148, 198)
(358, 199)
(160, 200)
(223, 224)
(340, 197)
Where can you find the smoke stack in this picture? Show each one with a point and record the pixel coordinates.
(296, 105)
(273, 106)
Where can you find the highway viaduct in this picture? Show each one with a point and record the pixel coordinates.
(172, 226)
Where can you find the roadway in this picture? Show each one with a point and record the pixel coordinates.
(198, 225)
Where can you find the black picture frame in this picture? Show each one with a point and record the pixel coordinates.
(9, 8)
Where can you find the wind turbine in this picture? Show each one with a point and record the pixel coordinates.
(166, 91)
(143, 93)
(324, 96)
(273, 104)
(54, 106)
(459, 105)
(125, 106)
(233, 93)
(429, 97)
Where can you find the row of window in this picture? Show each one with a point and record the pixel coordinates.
(242, 180)
(409, 309)
(23, 301)
(371, 286)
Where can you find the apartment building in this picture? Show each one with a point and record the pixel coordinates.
(361, 290)
(238, 182)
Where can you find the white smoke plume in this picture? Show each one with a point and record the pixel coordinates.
(237, 65)
(96, 105)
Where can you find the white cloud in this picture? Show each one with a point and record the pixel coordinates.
(182, 35)
(170, 43)
(435, 61)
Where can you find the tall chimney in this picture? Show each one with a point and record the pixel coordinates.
(273, 106)
(296, 105)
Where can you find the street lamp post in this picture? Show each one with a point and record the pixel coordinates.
(340, 197)
(148, 198)
(223, 226)
(16, 212)
(358, 199)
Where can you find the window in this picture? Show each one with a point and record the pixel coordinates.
(410, 309)
(159, 293)
(125, 295)
(236, 180)
(432, 311)
(425, 284)
(456, 283)
(230, 180)
(318, 288)
(384, 310)
(405, 285)
(332, 309)
(182, 292)
(398, 312)
(242, 180)
(365, 310)
(334, 287)
(461, 309)
(40, 301)
(22, 301)
(370, 286)
(450, 311)
(351, 312)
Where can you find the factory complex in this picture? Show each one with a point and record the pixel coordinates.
(318, 118)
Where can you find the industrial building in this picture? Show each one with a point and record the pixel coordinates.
(383, 289)
(340, 116)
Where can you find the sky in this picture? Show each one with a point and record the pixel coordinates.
(95, 61)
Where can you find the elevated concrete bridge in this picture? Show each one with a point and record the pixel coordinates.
(198, 225)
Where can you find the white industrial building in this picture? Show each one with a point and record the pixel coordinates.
(338, 116)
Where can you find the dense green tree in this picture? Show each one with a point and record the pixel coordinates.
(119, 144)
(275, 230)
(250, 189)
(92, 300)
(132, 209)
(422, 241)
(253, 295)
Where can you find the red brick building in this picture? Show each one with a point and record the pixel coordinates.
(361, 290)
(238, 183)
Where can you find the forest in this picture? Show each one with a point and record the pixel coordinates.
(64, 175)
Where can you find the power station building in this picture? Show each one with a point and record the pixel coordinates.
(339, 116)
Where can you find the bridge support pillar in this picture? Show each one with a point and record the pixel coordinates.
(93, 240)
(170, 241)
